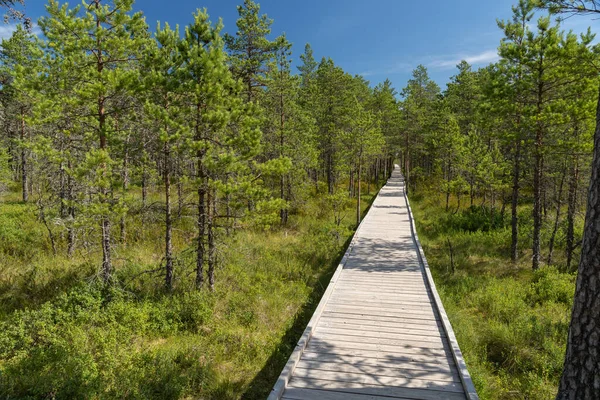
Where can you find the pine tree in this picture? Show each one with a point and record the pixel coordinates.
(511, 86)
(222, 131)
(289, 129)
(250, 50)
(308, 67)
(419, 97)
(100, 42)
(20, 59)
(163, 109)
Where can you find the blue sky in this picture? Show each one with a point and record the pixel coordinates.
(376, 38)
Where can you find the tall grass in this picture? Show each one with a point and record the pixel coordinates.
(510, 322)
(63, 335)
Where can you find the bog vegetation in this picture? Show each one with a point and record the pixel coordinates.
(173, 201)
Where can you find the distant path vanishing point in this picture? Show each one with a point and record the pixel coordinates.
(380, 330)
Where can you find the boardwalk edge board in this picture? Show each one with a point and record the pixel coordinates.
(290, 366)
(463, 373)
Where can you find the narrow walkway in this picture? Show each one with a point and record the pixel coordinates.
(380, 331)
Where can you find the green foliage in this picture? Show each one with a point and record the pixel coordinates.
(511, 323)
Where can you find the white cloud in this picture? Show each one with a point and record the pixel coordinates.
(6, 30)
(484, 57)
(440, 62)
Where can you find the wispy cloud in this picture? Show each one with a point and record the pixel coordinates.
(436, 62)
(484, 57)
(6, 30)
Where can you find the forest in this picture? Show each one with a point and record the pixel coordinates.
(174, 201)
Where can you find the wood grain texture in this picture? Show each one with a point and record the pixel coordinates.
(380, 332)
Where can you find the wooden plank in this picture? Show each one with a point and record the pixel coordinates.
(349, 331)
(382, 311)
(294, 393)
(415, 373)
(381, 318)
(411, 342)
(405, 295)
(400, 298)
(386, 361)
(368, 379)
(367, 326)
(345, 290)
(323, 341)
(395, 304)
(375, 390)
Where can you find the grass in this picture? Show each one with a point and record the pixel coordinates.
(63, 335)
(511, 323)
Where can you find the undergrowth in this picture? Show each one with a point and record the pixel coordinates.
(511, 323)
(63, 335)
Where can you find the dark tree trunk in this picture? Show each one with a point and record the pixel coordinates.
(71, 212)
(168, 221)
(202, 198)
(212, 250)
(144, 186)
(104, 219)
(330, 179)
(514, 245)
(538, 171)
(24, 166)
(557, 218)
(122, 230)
(571, 210)
(179, 197)
(581, 373)
(448, 187)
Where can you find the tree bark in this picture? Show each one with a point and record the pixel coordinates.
(24, 166)
(537, 183)
(212, 250)
(581, 373)
(514, 245)
(168, 219)
(557, 218)
(71, 212)
(571, 210)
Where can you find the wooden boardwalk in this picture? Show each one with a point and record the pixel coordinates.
(380, 330)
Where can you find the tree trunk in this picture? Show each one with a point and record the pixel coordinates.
(71, 213)
(538, 171)
(144, 186)
(168, 221)
(571, 210)
(330, 183)
(122, 230)
(514, 251)
(581, 373)
(202, 192)
(179, 197)
(201, 226)
(24, 166)
(212, 253)
(557, 219)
